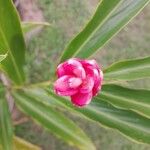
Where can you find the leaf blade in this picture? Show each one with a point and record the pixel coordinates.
(130, 124)
(21, 144)
(105, 8)
(55, 122)
(126, 98)
(12, 41)
(6, 131)
(128, 70)
(125, 11)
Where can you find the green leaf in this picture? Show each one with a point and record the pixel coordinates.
(44, 114)
(30, 26)
(128, 70)
(11, 41)
(6, 131)
(109, 18)
(130, 124)
(137, 100)
(2, 57)
(20, 144)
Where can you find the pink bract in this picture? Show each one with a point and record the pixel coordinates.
(79, 79)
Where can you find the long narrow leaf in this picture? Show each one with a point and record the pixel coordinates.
(20, 144)
(109, 18)
(55, 122)
(129, 70)
(136, 100)
(11, 41)
(104, 10)
(6, 131)
(132, 125)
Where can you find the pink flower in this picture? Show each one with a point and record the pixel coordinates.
(79, 79)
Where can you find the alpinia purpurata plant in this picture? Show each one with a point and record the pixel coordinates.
(124, 109)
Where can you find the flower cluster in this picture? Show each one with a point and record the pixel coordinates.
(79, 79)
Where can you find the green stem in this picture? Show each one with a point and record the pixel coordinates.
(34, 85)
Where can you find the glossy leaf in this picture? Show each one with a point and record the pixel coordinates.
(137, 100)
(52, 120)
(2, 57)
(6, 131)
(30, 26)
(20, 144)
(129, 70)
(132, 125)
(109, 18)
(11, 41)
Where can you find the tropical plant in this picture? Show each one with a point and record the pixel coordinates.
(124, 109)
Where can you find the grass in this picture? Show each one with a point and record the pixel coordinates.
(67, 18)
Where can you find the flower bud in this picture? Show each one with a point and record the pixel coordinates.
(79, 79)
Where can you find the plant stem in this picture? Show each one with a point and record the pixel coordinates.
(34, 85)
